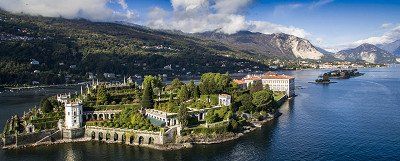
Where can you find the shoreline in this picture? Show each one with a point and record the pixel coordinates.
(166, 147)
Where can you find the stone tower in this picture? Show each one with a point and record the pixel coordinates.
(73, 115)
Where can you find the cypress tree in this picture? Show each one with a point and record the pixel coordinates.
(147, 96)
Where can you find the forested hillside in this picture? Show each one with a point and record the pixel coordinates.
(56, 50)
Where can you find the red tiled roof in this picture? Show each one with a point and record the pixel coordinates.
(239, 81)
(252, 78)
(272, 75)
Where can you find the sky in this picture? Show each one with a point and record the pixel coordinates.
(330, 24)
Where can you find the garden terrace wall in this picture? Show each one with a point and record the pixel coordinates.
(126, 136)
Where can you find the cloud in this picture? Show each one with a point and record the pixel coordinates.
(157, 18)
(285, 9)
(207, 15)
(319, 3)
(96, 10)
(392, 35)
(388, 37)
(269, 28)
(123, 4)
(386, 25)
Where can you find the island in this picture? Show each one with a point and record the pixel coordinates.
(343, 74)
(153, 114)
(324, 80)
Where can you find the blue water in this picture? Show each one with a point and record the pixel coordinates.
(355, 119)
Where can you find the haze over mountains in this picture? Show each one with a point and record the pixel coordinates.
(393, 47)
(366, 52)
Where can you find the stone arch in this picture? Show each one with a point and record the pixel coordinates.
(95, 117)
(151, 140)
(100, 136)
(131, 139)
(141, 139)
(108, 136)
(101, 116)
(89, 117)
(115, 137)
(112, 116)
(106, 116)
(123, 138)
(93, 135)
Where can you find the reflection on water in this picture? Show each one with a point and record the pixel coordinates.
(355, 119)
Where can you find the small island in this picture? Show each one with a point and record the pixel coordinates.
(325, 80)
(343, 74)
(153, 114)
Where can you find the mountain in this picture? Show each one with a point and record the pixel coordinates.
(393, 47)
(323, 51)
(366, 52)
(266, 45)
(57, 50)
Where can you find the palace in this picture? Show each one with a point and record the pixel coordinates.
(276, 82)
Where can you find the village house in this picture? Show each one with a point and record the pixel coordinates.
(34, 62)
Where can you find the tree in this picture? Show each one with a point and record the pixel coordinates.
(176, 84)
(183, 94)
(101, 95)
(191, 87)
(46, 106)
(266, 86)
(246, 103)
(183, 116)
(233, 126)
(257, 86)
(196, 92)
(147, 96)
(212, 117)
(213, 83)
(264, 100)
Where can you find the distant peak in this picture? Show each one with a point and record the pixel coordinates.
(367, 45)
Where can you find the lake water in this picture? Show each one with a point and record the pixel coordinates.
(355, 119)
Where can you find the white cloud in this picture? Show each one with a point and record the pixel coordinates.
(269, 28)
(207, 15)
(123, 4)
(319, 3)
(157, 18)
(386, 25)
(97, 10)
(392, 35)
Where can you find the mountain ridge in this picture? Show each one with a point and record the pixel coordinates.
(366, 52)
(269, 45)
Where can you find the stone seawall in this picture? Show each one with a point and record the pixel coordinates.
(31, 138)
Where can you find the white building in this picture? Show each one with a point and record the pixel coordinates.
(278, 82)
(63, 98)
(224, 99)
(34, 62)
(73, 115)
(251, 79)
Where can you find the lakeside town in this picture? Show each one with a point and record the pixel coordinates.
(154, 114)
